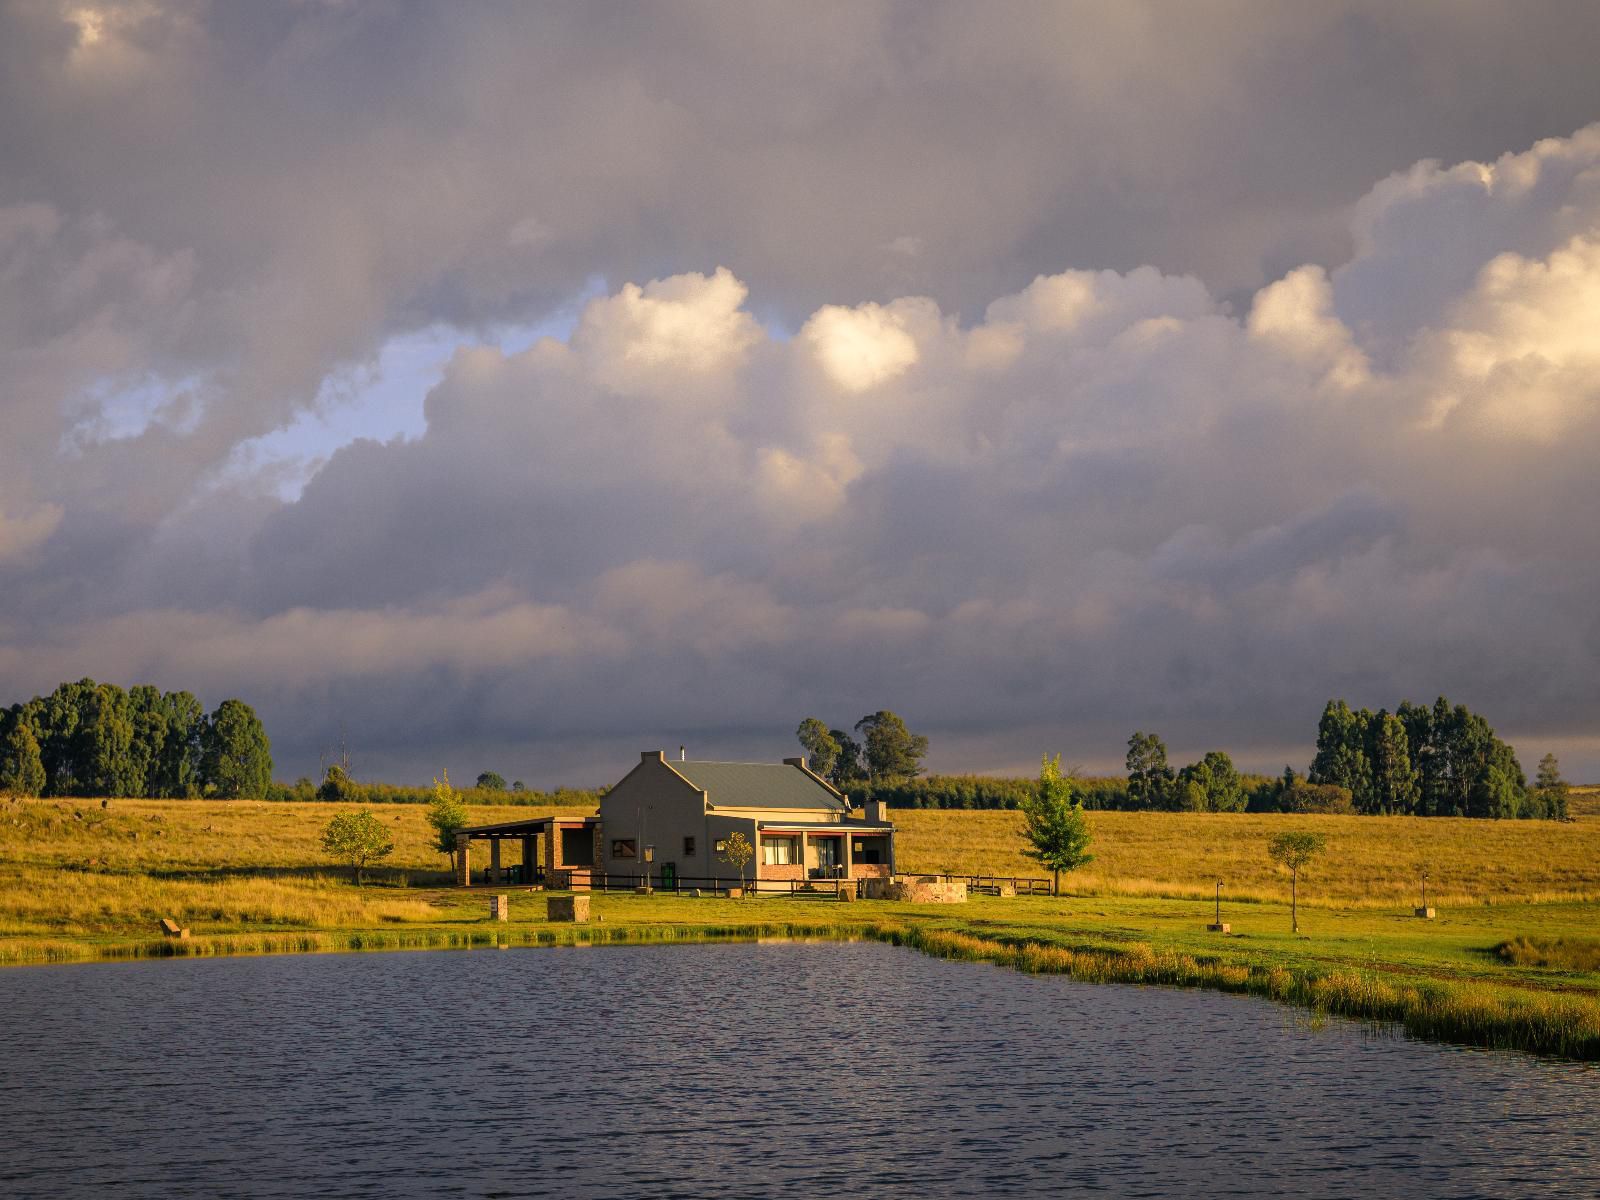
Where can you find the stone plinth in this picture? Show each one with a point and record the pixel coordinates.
(1222, 928)
(568, 908)
(847, 890)
(499, 908)
(1427, 914)
(735, 893)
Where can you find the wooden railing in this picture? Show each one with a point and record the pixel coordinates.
(1023, 885)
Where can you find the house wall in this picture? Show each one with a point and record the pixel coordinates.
(654, 805)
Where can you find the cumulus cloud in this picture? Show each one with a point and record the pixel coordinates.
(877, 402)
(860, 348)
(689, 325)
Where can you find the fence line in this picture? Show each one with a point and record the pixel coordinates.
(600, 881)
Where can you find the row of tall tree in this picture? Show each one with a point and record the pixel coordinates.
(1439, 761)
(883, 751)
(97, 739)
(1442, 760)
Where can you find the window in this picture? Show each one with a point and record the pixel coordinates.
(780, 851)
(688, 847)
(624, 848)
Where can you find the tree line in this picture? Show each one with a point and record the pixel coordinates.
(1442, 760)
(338, 786)
(1421, 760)
(883, 751)
(97, 739)
(1438, 761)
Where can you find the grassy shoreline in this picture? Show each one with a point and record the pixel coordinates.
(1509, 965)
(1554, 1023)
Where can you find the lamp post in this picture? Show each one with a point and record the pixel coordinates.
(1424, 912)
(649, 857)
(1217, 926)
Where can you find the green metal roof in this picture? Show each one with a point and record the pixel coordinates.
(757, 785)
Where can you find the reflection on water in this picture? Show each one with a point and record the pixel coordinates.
(740, 1070)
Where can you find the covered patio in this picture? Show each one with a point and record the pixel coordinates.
(824, 850)
(557, 852)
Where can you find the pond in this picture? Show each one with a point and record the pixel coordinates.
(740, 1070)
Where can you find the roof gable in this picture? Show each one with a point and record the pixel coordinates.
(758, 785)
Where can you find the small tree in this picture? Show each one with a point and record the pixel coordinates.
(1054, 824)
(447, 814)
(737, 853)
(1552, 788)
(491, 781)
(337, 787)
(1295, 850)
(357, 838)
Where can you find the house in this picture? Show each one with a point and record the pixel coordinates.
(670, 822)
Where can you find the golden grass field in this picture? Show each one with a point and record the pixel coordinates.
(1371, 861)
(81, 881)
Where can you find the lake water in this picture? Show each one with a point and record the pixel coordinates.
(740, 1070)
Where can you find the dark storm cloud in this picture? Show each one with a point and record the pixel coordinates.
(1004, 476)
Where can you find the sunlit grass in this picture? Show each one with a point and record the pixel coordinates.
(1565, 954)
(1371, 861)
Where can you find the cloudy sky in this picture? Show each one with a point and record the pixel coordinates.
(514, 386)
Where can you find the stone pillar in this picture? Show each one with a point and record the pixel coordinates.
(805, 846)
(849, 855)
(463, 860)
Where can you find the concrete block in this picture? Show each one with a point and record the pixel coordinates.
(499, 908)
(568, 908)
(1223, 928)
(1427, 914)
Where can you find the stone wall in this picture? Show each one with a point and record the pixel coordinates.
(916, 889)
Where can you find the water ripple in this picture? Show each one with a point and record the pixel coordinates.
(740, 1070)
